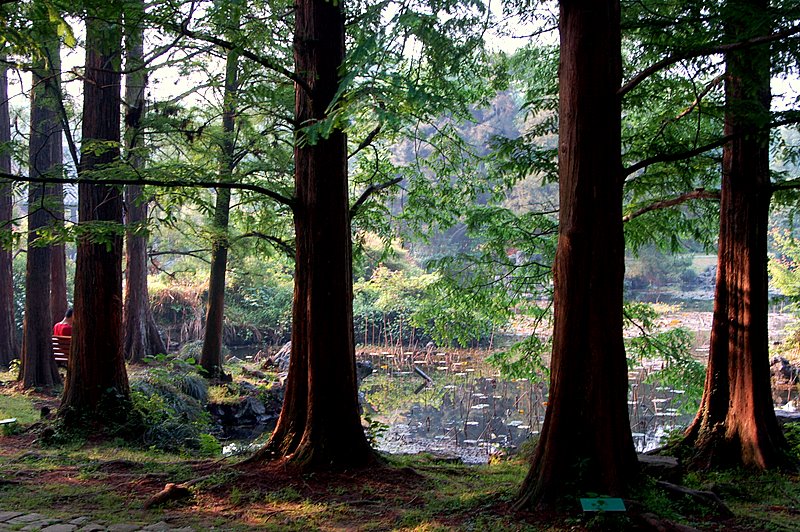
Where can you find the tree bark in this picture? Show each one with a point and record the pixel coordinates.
(8, 342)
(96, 391)
(58, 257)
(586, 444)
(55, 200)
(211, 354)
(736, 424)
(38, 366)
(141, 334)
(319, 425)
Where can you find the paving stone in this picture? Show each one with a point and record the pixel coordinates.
(92, 527)
(60, 527)
(123, 528)
(78, 520)
(160, 526)
(184, 529)
(25, 519)
(5, 516)
(38, 525)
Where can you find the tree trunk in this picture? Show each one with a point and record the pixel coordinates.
(55, 198)
(8, 342)
(586, 444)
(319, 425)
(97, 389)
(58, 256)
(141, 334)
(736, 424)
(38, 366)
(211, 355)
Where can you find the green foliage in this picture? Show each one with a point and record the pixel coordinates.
(524, 359)
(169, 401)
(673, 346)
(374, 430)
(657, 269)
(783, 264)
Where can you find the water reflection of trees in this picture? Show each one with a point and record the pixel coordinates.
(470, 411)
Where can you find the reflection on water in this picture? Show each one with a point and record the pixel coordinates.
(471, 412)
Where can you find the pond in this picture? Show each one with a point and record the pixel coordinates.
(467, 410)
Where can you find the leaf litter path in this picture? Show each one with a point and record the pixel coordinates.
(92, 486)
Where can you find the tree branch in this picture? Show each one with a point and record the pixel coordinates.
(788, 118)
(277, 242)
(191, 253)
(183, 29)
(369, 191)
(677, 156)
(367, 141)
(699, 193)
(705, 50)
(166, 183)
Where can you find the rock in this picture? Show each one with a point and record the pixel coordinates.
(254, 373)
(281, 358)
(783, 371)
(61, 527)
(234, 360)
(785, 416)
(660, 467)
(363, 370)
(251, 408)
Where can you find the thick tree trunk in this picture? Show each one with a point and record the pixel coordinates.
(586, 444)
(8, 342)
(736, 424)
(55, 200)
(319, 426)
(211, 355)
(38, 366)
(141, 334)
(97, 389)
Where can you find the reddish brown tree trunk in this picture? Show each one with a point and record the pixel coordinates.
(8, 342)
(58, 257)
(141, 336)
(320, 426)
(736, 424)
(586, 444)
(97, 383)
(211, 354)
(38, 366)
(55, 199)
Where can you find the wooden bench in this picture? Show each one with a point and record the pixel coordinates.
(61, 347)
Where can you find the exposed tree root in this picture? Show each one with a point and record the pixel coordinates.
(171, 492)
(706, 498)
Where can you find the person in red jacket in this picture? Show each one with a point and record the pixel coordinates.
(64, 327)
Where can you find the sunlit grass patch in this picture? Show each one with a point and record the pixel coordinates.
(20, 407)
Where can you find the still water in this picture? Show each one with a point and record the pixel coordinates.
(465, 409)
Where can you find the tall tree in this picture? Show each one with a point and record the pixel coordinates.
(97, 388)
(38, 366)
(55, 200)
(586, 444)
(319, 425)
(736, 424)
(8, 343)
(141, 334)
(211, 355)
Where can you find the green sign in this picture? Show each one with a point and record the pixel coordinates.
(603, 504)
